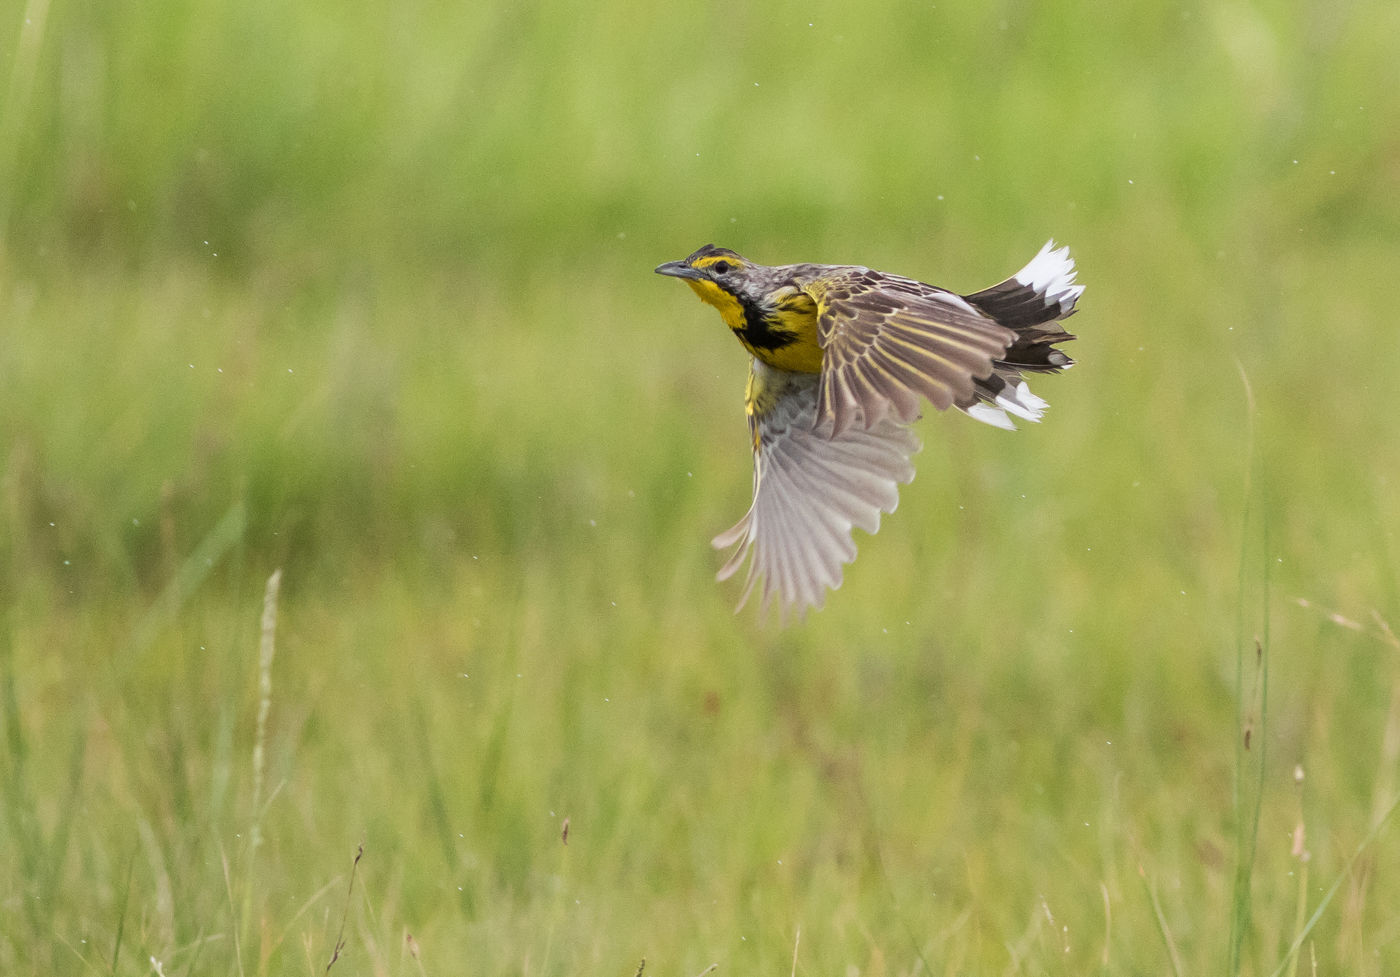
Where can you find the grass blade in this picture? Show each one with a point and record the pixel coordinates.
(1163, 929)
(1366, 843)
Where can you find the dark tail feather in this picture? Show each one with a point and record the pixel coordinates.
(1041, 292)
(1031, 302)
(1034, 351)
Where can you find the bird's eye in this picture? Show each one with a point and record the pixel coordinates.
(721, 267)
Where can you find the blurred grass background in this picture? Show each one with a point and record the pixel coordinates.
(363, 291)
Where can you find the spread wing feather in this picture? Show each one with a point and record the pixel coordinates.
(810, 491)
(887, 341)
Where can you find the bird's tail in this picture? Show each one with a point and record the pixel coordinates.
(1030, 303)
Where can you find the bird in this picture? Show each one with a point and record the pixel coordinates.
(842, 358)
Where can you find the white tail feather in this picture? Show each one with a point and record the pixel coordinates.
(1051, 274)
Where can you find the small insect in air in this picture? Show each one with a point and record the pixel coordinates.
(843, 358)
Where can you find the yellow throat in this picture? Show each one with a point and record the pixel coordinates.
(785, 340)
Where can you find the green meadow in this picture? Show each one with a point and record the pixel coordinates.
(361, 294)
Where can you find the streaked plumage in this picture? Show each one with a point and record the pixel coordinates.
(842, 358)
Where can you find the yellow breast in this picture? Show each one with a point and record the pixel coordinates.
(785, 339)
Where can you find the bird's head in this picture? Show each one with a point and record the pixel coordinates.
(723, 278)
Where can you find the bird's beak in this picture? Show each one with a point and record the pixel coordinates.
(679, 269)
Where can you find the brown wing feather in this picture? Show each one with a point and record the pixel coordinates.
(888, 341)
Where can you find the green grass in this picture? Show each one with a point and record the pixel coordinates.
(362, 292)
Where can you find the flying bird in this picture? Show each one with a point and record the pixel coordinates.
(842, 359)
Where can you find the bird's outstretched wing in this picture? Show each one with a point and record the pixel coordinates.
(887, 341)
(810, 490)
